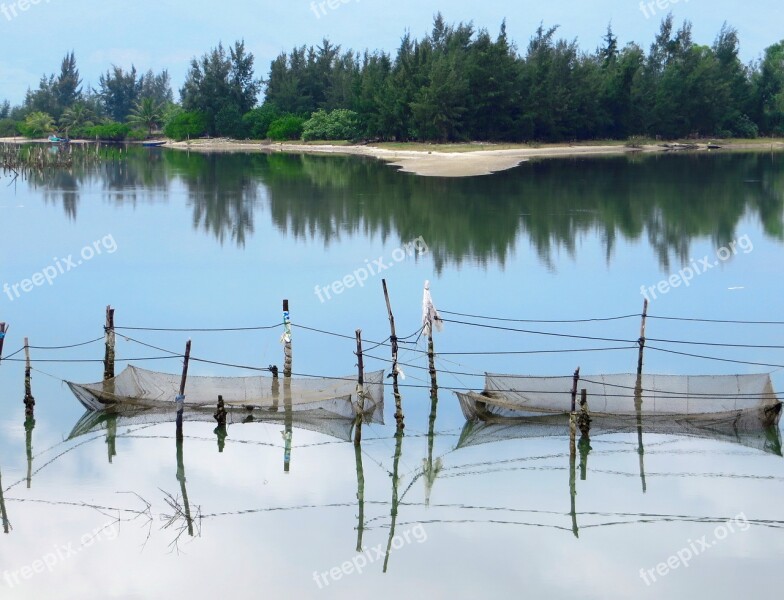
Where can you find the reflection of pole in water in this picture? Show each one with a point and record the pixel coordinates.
(29, 425)
(183, 490)
(6, 524)
(111, 436)
(638, 395)
(431, 470)
(398, 451)
(572, 474)
(640, 447)
(360, 496)
(288, 419)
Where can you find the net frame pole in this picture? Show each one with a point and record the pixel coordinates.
(181, 396)
(3, 331)
(108, 361)
(360, 390)
(399, 417)
(287, 352)
(29, 401)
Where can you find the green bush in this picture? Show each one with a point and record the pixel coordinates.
(257, 121)
(229, 122)
(286, 128)
(339, 124)
(8, 128)
(138, 135)
(185, 125)
(110, 132)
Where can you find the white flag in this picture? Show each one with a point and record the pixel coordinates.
(429, 313)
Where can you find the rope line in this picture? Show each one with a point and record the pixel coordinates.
(447, 312)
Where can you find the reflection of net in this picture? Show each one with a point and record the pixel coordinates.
(737, 431)
(695, 396)
(317, 420)
(138, 387)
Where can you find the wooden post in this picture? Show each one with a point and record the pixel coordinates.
(220, 430)
(286, 340)
(575, 380)
(275, 388)
(641, 341)
(572, 474)
(220, 414)
(431, 358)
(393, 340)
(181, 396)
(584, 418)
(3, 330)
(108, 362)
(29, 401)
(360, 408)
(29, 425)
(584, 423)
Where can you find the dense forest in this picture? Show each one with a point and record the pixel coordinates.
(455, 84)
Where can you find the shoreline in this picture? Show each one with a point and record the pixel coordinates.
(454, 160)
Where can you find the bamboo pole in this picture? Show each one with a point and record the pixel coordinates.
(181, 396)
(360, 391)
(220, 430)
(29, 401)
(286, 340)
(29, 425)
(575, 380)
(399, 418)
(431, 359)
(641, 341)
(572, 475)
(3, 331)
(108, 361)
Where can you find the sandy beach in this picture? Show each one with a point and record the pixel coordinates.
(434, 163)
(452, 161)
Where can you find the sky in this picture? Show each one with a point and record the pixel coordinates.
(36, 34)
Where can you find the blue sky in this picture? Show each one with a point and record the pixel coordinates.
(167, 34)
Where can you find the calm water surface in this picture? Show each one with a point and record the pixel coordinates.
(191, 241)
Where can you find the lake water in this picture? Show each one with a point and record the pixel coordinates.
(187, 241)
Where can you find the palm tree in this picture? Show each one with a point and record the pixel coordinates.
(38, 124)
(79, 115)
(147, 113)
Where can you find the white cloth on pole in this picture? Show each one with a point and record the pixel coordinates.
(429, 313)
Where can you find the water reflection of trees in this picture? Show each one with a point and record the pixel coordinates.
(670, 201)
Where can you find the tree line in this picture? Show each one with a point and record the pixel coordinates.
(457, 83)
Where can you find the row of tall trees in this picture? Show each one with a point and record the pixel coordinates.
(458, 83)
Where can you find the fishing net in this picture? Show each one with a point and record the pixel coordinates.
(766, 439)
(150, 389)
(122, 418)
(748, 397)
